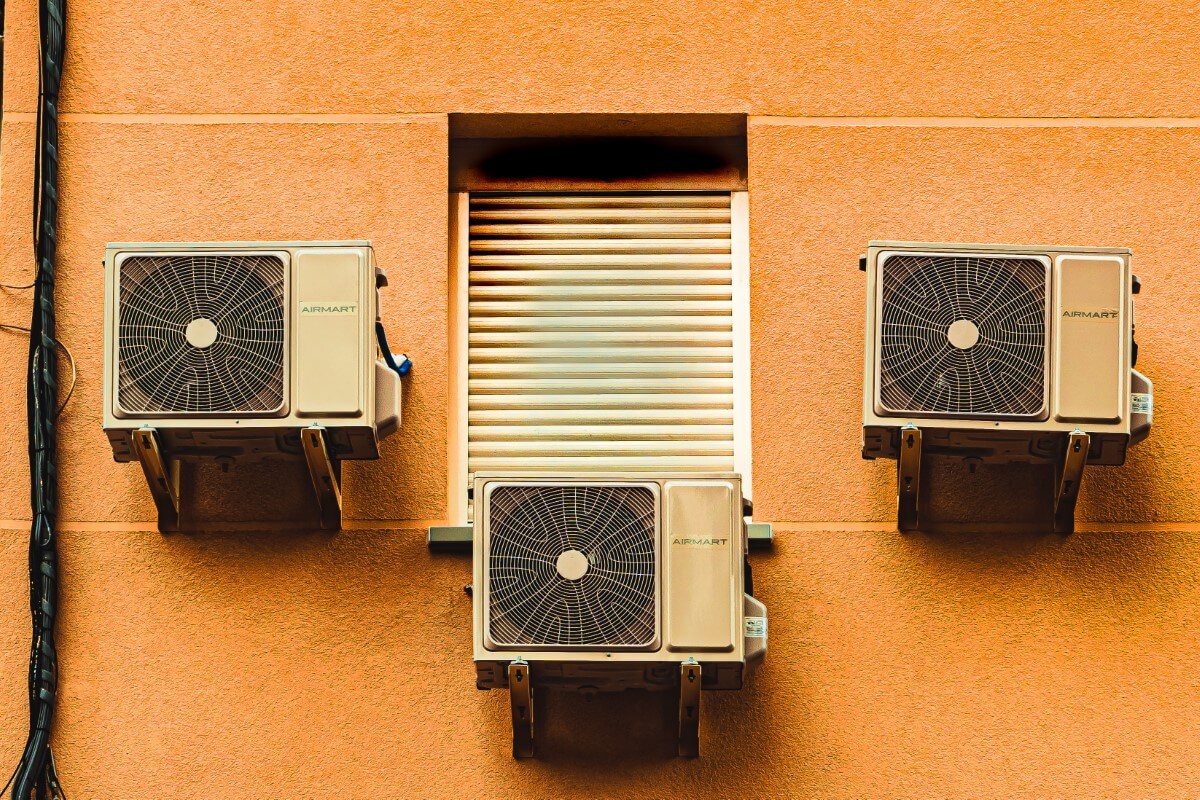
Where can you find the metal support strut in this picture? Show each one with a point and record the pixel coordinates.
(908, 478)
(520, 695)
(162, 474)
(1070, 476)
(326, 476)
(689, 709)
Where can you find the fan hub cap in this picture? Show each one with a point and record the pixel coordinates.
(572, 565)
(200, 333)
(963, 334)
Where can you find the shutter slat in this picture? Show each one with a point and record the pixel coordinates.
(619, 385)
(592, 463)
(541, 292)
(629, 353)
(538, 370)
(604, 433)
(706, 400)
(597, 417)
(601, 215)
(562, 324)
(587, 246)
(569, 308)
(629, 277)
(600, 333)
(658, 200)
(564, 447)
(676, 337)
(601, 230)
(610, 260)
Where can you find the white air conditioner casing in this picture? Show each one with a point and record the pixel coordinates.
(611, 581)
(998, 352)
(231, 349)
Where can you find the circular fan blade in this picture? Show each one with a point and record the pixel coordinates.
(572, 566)
(963, 336)
(201, 334)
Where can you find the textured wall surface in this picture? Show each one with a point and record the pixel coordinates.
(818, 194)
(277, 661)
(868, 57)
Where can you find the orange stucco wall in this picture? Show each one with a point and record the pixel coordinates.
(277, 661)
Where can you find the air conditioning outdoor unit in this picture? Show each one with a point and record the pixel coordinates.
(244, 350)
(1001, 353)
(612, 582)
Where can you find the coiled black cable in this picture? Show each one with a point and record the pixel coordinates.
(36, 777)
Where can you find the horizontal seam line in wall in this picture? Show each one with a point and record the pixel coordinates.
(964, 527)
(141, 526)
(977, 122)
(766, 120)
(229, 119)
(873, 526)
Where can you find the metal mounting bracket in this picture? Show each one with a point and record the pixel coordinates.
(1070, 474)
(326, 474)
(689, 709)
(162, 474)
(908, 479)
(520, 695)
(450, 538)
(759, 535)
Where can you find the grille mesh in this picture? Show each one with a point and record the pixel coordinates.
(963, 336)
(536, 531)
(171, 306)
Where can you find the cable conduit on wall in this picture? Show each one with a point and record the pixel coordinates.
(35, 776)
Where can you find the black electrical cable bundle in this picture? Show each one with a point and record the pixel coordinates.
(36, 777)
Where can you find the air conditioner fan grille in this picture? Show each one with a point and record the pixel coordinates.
(572, 566)
(963, 336)
(201, 334)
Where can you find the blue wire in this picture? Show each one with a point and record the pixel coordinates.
(401, 369)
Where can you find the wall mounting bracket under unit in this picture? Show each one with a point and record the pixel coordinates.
(1070, 474)
(908, 479)
(689, 709)
(520, 694)
(326, 474)
(162, 474)
(1068, 477)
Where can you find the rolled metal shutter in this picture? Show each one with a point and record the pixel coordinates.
(600, 332)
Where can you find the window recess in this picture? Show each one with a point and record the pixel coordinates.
(599, 332)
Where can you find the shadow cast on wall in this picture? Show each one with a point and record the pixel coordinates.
(1012, 498)
(272, 493)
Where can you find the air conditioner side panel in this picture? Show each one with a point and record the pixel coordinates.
(328, 344)
(702, 553)
(1090, 325)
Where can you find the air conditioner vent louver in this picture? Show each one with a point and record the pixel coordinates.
(963, 336)
(572, 566)
(201, 334)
